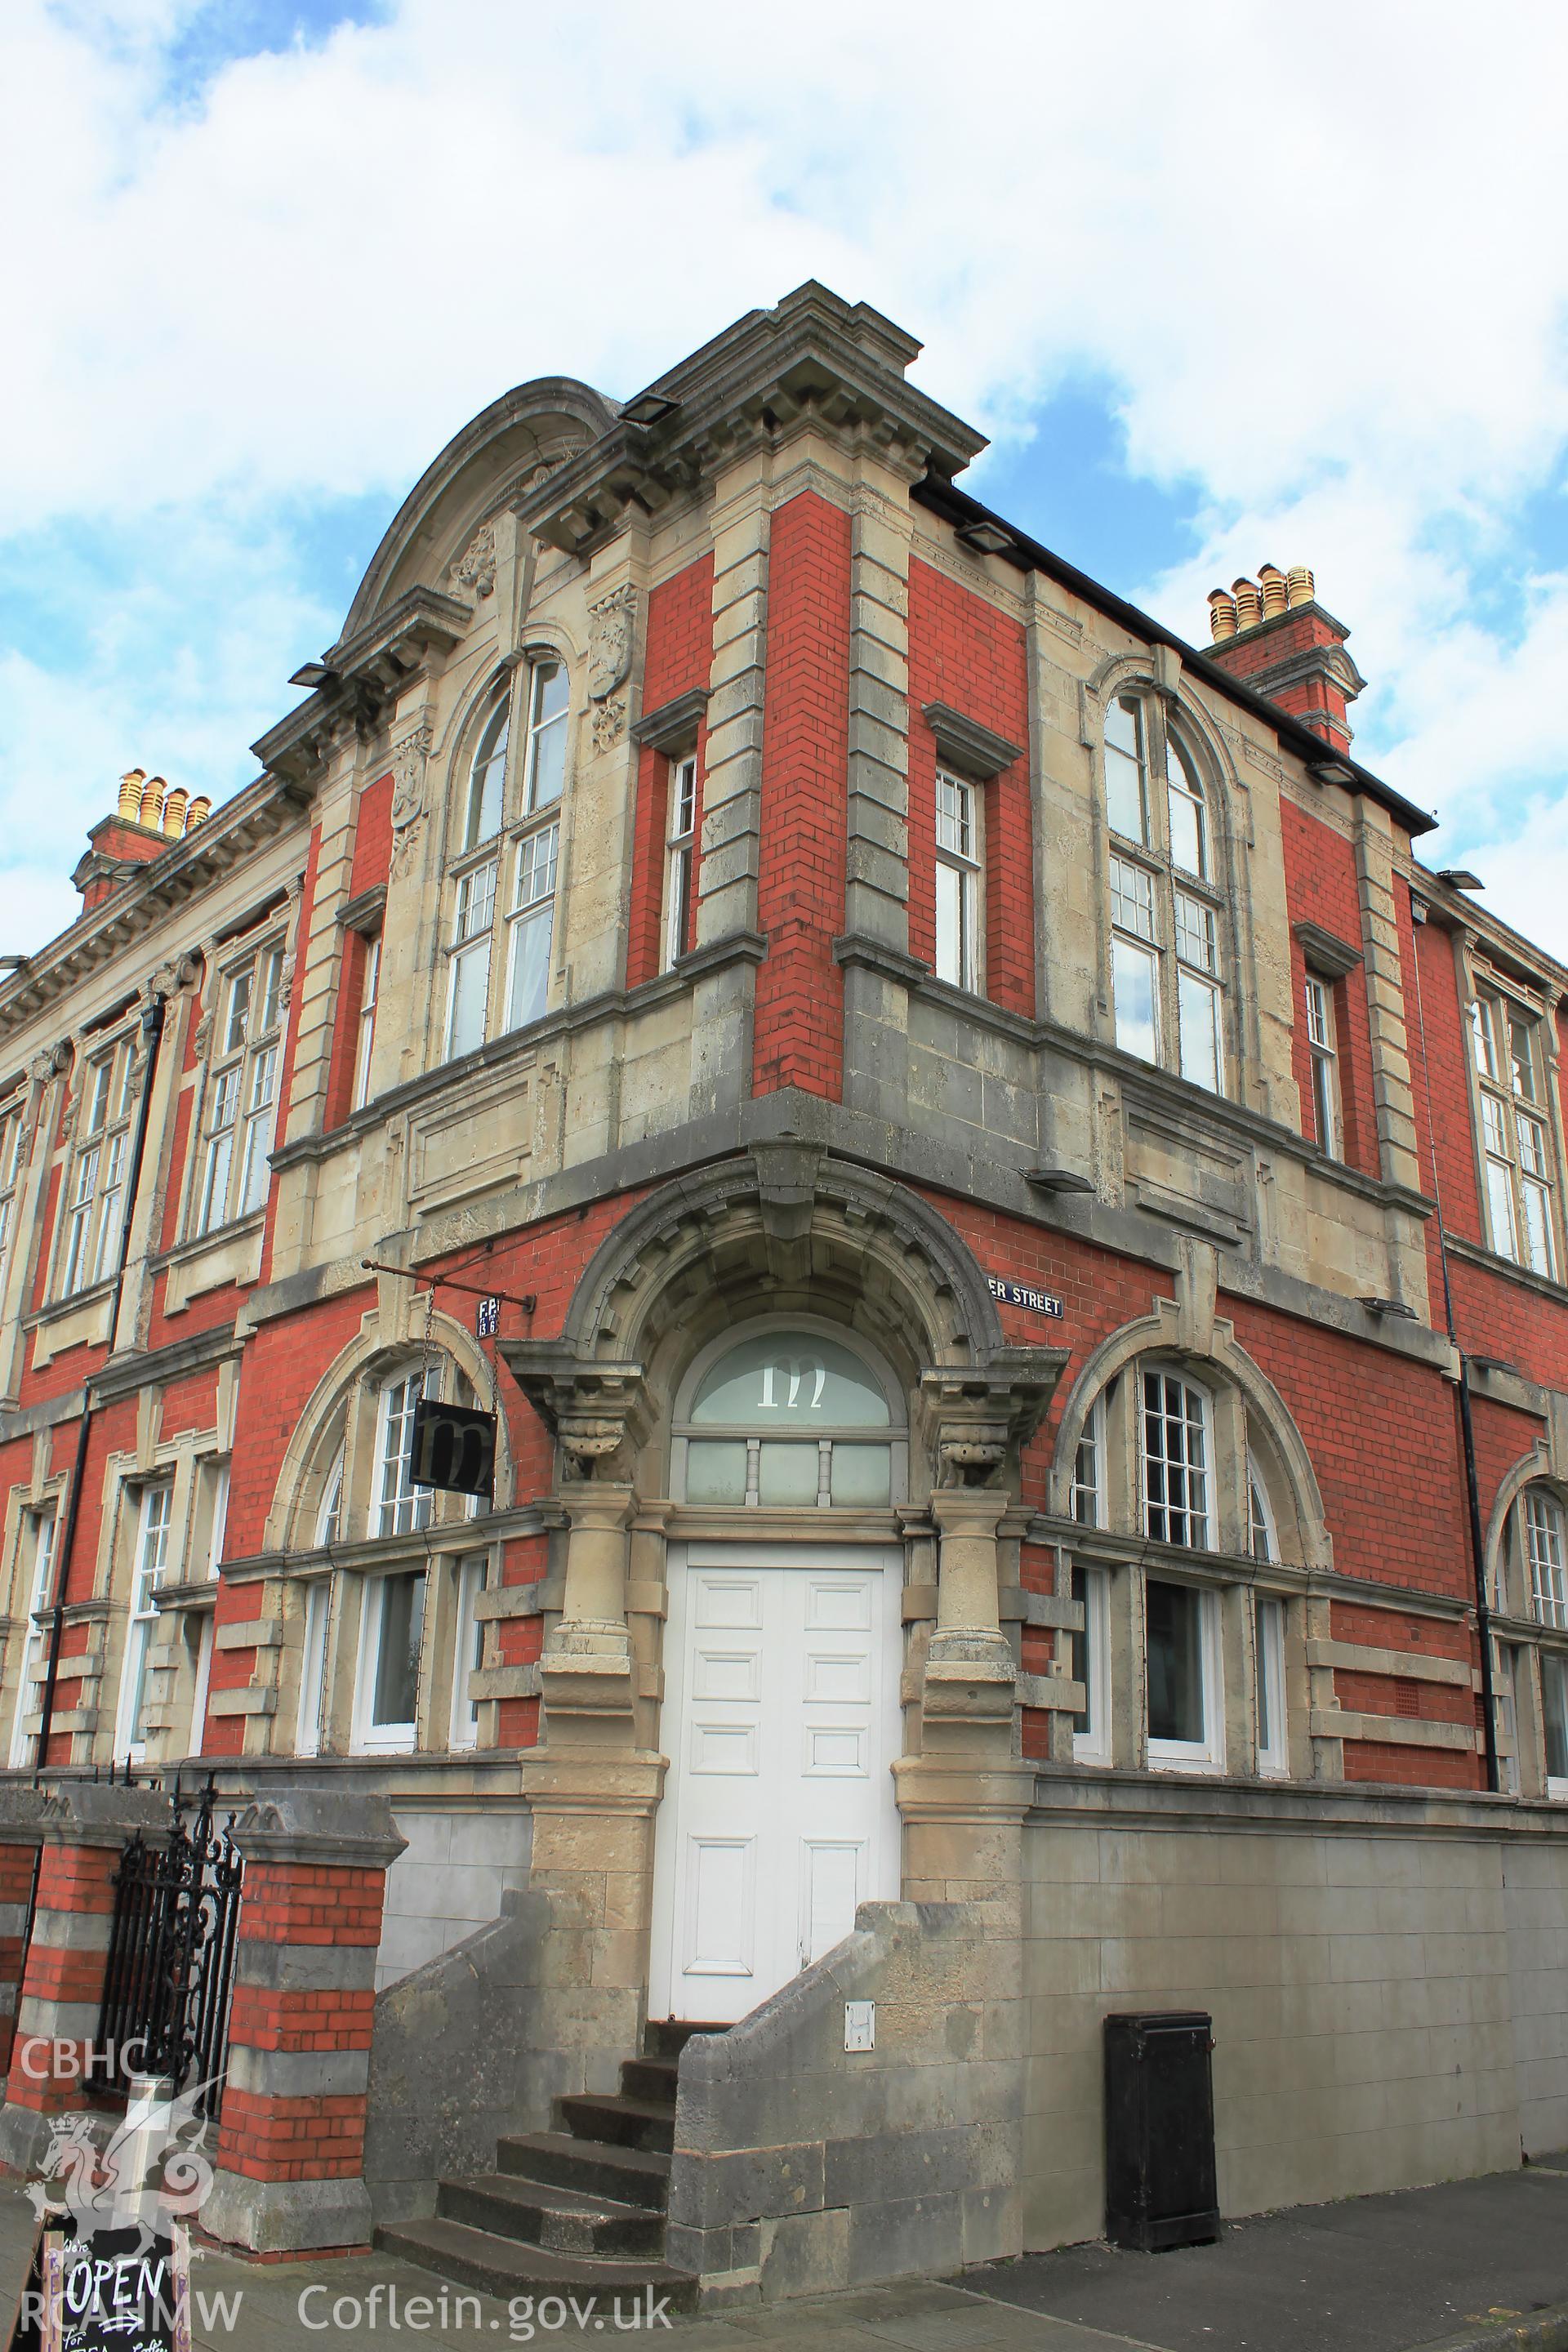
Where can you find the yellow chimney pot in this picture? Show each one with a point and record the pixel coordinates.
(1249, 603)
(1272, 581)
(153, 792)
(1222, 614)
(1300, 586)
(200, 809)
(131, 785)
(174, 811)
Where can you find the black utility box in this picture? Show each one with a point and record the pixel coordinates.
(1160, 2186)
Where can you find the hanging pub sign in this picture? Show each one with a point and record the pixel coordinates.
(1020, 1294)
(453, 1447)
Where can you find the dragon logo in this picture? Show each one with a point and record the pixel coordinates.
(149, 2175)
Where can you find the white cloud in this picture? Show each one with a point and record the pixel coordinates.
(1324, 273)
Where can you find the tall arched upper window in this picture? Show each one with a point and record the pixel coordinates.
(507, 860)
(1167, 950)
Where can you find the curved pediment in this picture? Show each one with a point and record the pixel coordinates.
(437, 538)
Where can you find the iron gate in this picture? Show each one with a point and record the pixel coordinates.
(169, 1975)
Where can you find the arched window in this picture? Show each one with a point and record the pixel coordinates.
(1166, 916)
(788, 1418)
(1543, 1556)
(508, 857)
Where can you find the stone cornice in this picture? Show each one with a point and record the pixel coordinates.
(360, 674)
(813, 358)
(271, 805)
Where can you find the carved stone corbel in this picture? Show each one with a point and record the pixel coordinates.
(611, 632)
(409, 757)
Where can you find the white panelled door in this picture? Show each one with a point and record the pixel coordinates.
(782, 1721)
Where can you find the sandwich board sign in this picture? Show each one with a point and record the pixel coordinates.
(110, 2289)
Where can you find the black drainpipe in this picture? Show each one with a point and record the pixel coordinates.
(152, 1037)
(1466, 1423)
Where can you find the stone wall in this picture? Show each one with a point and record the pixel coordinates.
(800, 2166)
(1385, 1971)
(448, 1881)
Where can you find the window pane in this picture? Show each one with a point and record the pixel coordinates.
(953, 816)
(530, 940)
(716, 1470)
(1086, 1469)
(1131, 899)
(1544, 1539)
(1500, 1200)
(950, 925)
(536, 866)
(484, 810)
(1175, 1662)
(1554, 1708)
(471, 991)
(1133, 978)
(1196, 937)
(401, 1624)
(1175, 1475)
(1082, 1644)
(1521, 1050)
(862, 1475)
(1125, 801)
(789, 1377)
(547, 754)
(788, 1473)
(1189, 830)
(1270, 1646)
(215, 1185)
(683, 800)
(403, 1506)
(1198, 1006)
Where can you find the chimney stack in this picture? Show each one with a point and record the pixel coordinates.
(1272, 634)
(148, 817)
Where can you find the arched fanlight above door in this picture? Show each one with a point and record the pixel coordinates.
(782, 1419)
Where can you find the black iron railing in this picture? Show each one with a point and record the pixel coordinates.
(169, 1975)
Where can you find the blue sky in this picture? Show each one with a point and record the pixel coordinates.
(1223, 288)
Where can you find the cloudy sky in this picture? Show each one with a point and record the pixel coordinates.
(1224, 284)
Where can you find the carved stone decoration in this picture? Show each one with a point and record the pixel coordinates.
(611, 631)
(476, 567)
(609, 723)
(204, 1036)
(171, 977)
(50, 1062)
(975, 1459)
(409, 755)
(586, 1442)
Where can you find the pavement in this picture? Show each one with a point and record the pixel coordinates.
(1472, 2263)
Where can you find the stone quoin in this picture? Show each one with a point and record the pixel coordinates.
(1019, 1238)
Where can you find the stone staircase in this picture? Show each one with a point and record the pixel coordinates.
(576, 2211)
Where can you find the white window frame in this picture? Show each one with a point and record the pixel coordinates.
(487, 772)
(1167, 917)
(469, 953)
(400, 1507)
(1086, 1496)
(239, 1106)
(11, 1121)
(1514, 1119)
(1261, 1529)
(314, 1635)
(369, 1737)
(1091, 1664)
(207, 1642)
(1269, 1653)
(1545, 1557)
(40, 1533)
(960, 873)
(1553, 1666)
(537, 874)
(467, 1643)
(1323, 1051)
(329, 1509)
(94, 1191)
(547, 729)
(149, 1568)
(364, 1033)
(679, 857)
(1208, 1754)
(1199, 1521)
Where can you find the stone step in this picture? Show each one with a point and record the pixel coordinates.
(651, 2080)
(560, 2221)
(500, 2266)
(633, 2176)
(666, 2037)
(622, 2122)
